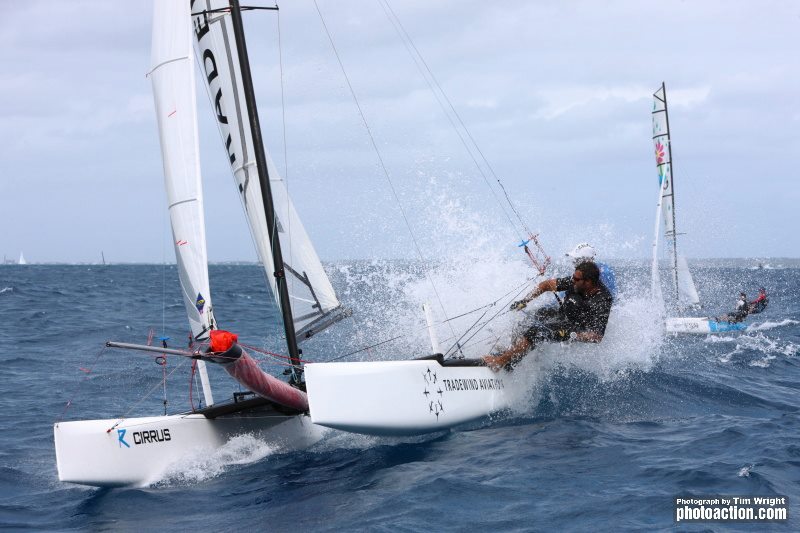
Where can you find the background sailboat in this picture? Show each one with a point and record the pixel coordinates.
(683, 295)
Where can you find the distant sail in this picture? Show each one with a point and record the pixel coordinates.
(22, 260)
(173, 77)
(687, 292)
(313, 301)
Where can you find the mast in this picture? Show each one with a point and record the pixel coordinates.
(263, 178)
(672, 192)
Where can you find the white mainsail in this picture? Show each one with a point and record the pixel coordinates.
(173, 78)
(685, 291)
(313, 301)
(22, 260)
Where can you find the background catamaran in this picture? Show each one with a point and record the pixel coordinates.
(683, 297)
(383, 398)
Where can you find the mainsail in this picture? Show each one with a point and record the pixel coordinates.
(173, 81)
(685, 291)
(314, 304)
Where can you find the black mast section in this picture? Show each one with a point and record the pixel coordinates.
(263, 179)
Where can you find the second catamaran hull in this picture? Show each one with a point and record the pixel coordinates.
(402, 397)
(141, 451)
(702, 326)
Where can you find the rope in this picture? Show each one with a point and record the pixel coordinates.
(517, 290)
(146, 395)
(380, 158)
(407, 41)
(86, 371)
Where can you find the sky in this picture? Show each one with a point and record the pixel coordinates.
(556, 94)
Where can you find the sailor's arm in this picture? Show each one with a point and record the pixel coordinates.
(548, 285)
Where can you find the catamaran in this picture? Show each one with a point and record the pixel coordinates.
(685, 296)
(404, 397)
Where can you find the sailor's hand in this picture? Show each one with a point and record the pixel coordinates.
(519, 305)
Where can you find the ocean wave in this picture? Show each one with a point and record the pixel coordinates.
(772, 325)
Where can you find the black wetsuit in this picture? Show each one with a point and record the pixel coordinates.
(577, 314)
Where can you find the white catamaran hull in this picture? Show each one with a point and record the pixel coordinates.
(140, 451)
(402, 397)
(702, 326)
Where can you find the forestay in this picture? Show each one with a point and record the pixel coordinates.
(313, 302)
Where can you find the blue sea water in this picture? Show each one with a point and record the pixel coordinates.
(603, 441)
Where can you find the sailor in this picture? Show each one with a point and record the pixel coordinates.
(583, 315)
(760, 303)
(586, 252)
(741, 311)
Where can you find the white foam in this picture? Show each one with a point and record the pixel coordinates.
(772, 325)
(201, 464)
(758, 342)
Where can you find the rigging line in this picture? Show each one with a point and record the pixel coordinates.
(406, 40)
(87, 371)
(380, 158)
(457, 343)
(453, 336)
(463, 125)
(148, 393)
(519, 289)
(496, 315)
(366, 348)
(164, 274)
(491, 304)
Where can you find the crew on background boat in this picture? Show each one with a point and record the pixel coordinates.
(741, 311)
(586, 252)
(760, 303)
(582, 316)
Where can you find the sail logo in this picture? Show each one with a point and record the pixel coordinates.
(121, 438)
(200, 303)
(202, 28)
(660, 153)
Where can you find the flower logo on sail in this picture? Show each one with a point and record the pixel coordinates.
(660, 152)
